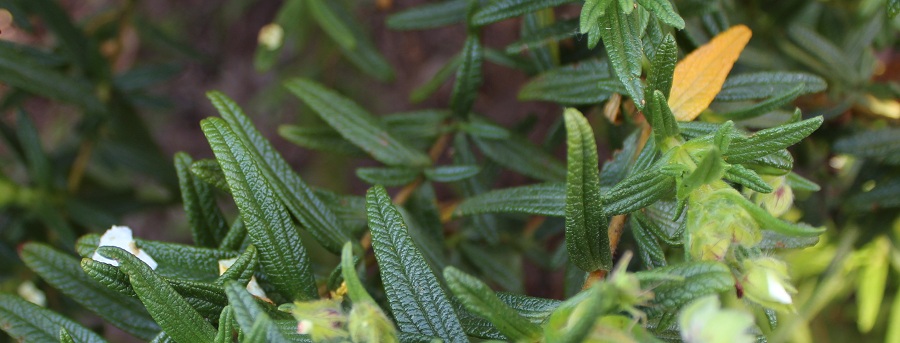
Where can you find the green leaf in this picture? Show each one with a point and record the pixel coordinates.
(768, 141)
(27, 322)
(468, 77)
(585, 83)
(451, 173)
(482, 128)
(586, 239)
(893, 10)
(522, 156)
(209, 171)
(295, 194)
(545, 199)
(243, 268)
(819, 48)
(536, 310)
(622, 39)
(173, 314)
(649, 250)
(175, 260)
(480, 299)
(64, 336)
(591, 13)
(484, 225)
(208, 225)
(19, 70)
(248, 314)
(342, 27)
(764, 107)
(282, 256)
(421, 124)
(417, 300)
(662, 67)
(748, 178)
(663, 10)
(432, 85)
(499, 265)
(762, 85)
(637, 191)
(504, 9)
(356, 125)
(662, 120)
(545, 36)
(225, 333)
(879, 145)
(65, 274)
(772, 240)
(388, 176)
(429, 16)
(800, 183)
(108, 276)
(699, 279)
(319, 139)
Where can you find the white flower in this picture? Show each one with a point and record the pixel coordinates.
(121, 237)
(252, 286)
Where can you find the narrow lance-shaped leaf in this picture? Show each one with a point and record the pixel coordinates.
(586, 239)
(468, 77)
(522, 156)
(480, 299)
(388, 176)
(545, 199)
(451, 173)
(356, 124)
(27, 322)
(768, 141)
(584, 83)
(505, 9)
(623, 46)
(417, 300)
(766, 106)
(247, 313)
(762, 85)
(65, 274)
(663, 10)
(338, 22)
(294, 193)
(282, 256)
(591, 13)
(662, 67)
(662, 120)
(208, 225)
(700, 75)
(429, 15)
(173, 314)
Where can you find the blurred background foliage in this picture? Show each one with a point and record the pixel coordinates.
(98, 95)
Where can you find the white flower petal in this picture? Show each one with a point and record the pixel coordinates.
(777, 291)
(121, 237)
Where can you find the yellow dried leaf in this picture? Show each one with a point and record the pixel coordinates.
(699, 77)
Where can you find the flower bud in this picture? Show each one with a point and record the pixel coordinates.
(715, 222)
(322, 320)
(704, 321)
(368, 324)
(779, 201)
(766, 282)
